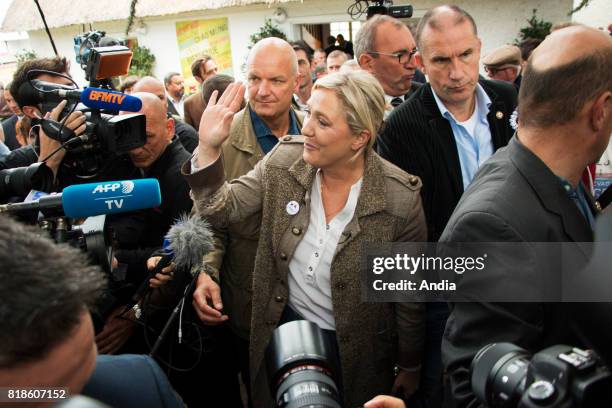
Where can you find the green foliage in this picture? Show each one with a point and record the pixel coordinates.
(142, 61)
(25, 55)
(267, 30)
(537, 28)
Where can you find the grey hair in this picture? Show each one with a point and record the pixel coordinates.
(366, 36)
(363, 99)
(169, 76)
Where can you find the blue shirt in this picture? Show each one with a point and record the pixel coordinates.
(474, 145)
(266, 139)
(578, 196)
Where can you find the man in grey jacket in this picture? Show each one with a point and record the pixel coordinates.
(530, 192)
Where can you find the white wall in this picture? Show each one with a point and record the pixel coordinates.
(498, 23)
(597, 14)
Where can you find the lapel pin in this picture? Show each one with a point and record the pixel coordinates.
(499, 115)
(292, 207)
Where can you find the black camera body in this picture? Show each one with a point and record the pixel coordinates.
(106, 135)
(505, 375)
(386, 7)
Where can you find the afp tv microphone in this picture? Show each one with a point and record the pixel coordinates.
(86, 200)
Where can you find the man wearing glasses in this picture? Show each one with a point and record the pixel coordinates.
(443, 134)
(385, 47)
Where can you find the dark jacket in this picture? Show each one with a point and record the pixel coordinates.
(152, 224)
(513, 198)
(131, 381)
(187, 134)
(420, 141)
(10, 135)
(372, 337)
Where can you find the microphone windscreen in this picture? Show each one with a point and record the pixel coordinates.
(97, 98)
(110, 197)
(190, 239)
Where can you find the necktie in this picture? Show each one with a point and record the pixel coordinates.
(395, 102)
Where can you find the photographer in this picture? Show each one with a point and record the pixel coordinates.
(529, 193)
(44, 148)
(44, 145)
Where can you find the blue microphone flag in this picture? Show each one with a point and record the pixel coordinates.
(110, 197)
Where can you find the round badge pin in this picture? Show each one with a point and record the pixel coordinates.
(293, 207)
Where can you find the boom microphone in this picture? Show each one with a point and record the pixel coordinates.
(189, 239)
(95, 98)
(86, 200)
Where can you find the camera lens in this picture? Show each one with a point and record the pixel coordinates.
(20, 180)
(498, 374)
(300, 368)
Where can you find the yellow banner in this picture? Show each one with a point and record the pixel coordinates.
(198, 37)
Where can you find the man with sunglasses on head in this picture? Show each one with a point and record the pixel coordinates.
(385, 48)
(446, 130)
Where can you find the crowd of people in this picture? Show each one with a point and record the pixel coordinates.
(396, 137)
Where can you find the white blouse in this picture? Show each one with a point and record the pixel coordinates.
(309, 269)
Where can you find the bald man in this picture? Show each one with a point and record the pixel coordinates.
(185, 132)
(160, 158)
(272, 74)
(531, 192)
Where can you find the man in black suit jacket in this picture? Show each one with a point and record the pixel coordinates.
(421, 141)
(442, 133)
(531, 192)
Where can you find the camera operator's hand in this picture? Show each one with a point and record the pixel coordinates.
(208, 292)
(406, 383)
(164, 276)
(216, 121)
(75, 122)
(384, 401)
(117, 330)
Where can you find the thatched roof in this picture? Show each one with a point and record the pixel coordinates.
(23, 15)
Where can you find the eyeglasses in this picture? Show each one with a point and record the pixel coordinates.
(403, 57)
(495, 71)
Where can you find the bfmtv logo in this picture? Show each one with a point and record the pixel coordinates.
(126, 187)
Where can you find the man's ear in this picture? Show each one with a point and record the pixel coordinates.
(298, 80)
(365, 61)
(170, 128)
(418, 58)
(600, 111)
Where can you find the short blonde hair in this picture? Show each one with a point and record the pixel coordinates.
(363, 99)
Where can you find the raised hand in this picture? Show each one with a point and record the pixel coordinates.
(216, 121)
